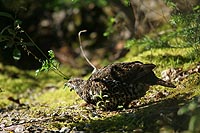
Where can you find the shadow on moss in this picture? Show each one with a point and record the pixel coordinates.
(150, 118)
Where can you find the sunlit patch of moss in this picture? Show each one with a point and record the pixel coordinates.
(18, 83)
(188, 88)
(192, 83)
(14, 83)
(58, 97)
(4, 98)
(15, 80)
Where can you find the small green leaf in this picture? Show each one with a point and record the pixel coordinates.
(196, 8)
(183, 110)
(17, 22)
(16, 54)
(37, 72)
(51, 54)
(105, 34)
(5, 14)
(192, 106)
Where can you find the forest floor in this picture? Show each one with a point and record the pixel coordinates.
(29, 103)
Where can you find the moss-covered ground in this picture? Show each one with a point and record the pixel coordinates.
(41, 103)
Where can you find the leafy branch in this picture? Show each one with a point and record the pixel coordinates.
(12, 37)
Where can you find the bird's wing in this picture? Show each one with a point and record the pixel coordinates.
(131, 71)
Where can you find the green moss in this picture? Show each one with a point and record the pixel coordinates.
(18, 84)
(58, 97)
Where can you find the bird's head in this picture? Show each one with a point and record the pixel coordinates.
(75, 84)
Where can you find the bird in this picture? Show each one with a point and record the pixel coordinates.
(117, 84)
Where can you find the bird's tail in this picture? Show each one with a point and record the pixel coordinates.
(165, 83)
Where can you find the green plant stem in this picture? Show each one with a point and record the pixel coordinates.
(56, 70)
(35, 45)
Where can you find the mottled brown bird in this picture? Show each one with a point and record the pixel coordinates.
(117, 84)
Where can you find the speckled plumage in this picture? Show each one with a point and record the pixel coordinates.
(117, 84)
